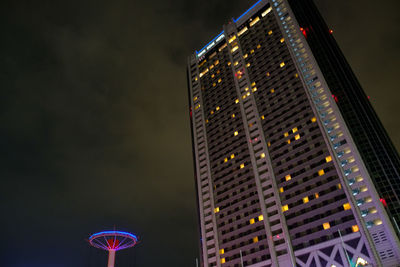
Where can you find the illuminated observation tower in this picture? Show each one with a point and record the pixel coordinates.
(112, 241)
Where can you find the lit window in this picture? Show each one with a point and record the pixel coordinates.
(236, 63)
(294, 129)
(254, 89)
(282, 64)
(252, 51)
(253, 84)
(355, 228)
(377, 222)
(339, 186)
(314, 119)
(221, 251)
(207, 121)
(252, 221)
(266, 11)
(272, 91)
(268, 74)
(296, 75)
(297, 137)
(305, 199)
(257, 19)
(196, 78)
(285, 208)
(258, 46)
(262, 117)
(288, 177)
(255, 239)
(194, 99)
(262, 155)
(261, 217)
(229, 63)
(223, 260)
(222, 47)
(281, 190)
(326, 225)
(237, 101)
(196, 107)
(321, 172)
(282, 40)
(242, 165)
(217, 108)
(216, 210)
(214, 84)
(225, 159)
(242, 31)
(219, 80)
(245, 56)
(328, 159)
(235, 133)
(286, 134)
(232, 156)
(233, 38)
(316, 195)
(248, 65)
(346, 206)
(213, 75)
(233, 115)
(216, 62)
(270, 32)
(212, 112)
(234, 49)
(269, 143)
(288, 141)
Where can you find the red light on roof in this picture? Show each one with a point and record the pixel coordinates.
(330, 31)
(368, 97)
(383, 202)
(335, 97)
(304, 32)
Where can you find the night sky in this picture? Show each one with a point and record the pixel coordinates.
(94, 126)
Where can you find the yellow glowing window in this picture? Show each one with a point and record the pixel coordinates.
(223, 260)
(377, 222)
(212, 112)
(262, 155)
(269, 143)
(297, 137)
(255, 239)
(206, 121)
(237, 101)
(236, 63)
(233, 115)
(258, 46)
(314, 119)
(211, 67)
(346, 206)
(252, 221)
(196, 107)
(326, 225)
(261, 217)
(242, 31)
(248, 65)
(194, 99)
(355, 228)
(252, 51)
(251, 124)
(229, 63)
(328, 159)
(270, 32)
(219, 80)
(242, 165)
(294, 129)
(214, 84)
(216, 210)
(222, 47)
(221, 251)
(272, 91)
(233, 38)
(254, 89)
(288, 141)
(245, 56)
(281, 190)
(225, 159)
(286, 134)
(262, 117)
(266, 11)
(235, 133)
(316, 195)
(213, 75)
(253, 84)
(288, 177)
(339, 186)
(321, 172)
(285, 208)
(196, 78)
(216, 62)
(268, 74)
(217, 108)
(296, 75)
(234, 49)
(305, 199)
(257, 19)
(248, 93)
(232, 156)
(282, 40)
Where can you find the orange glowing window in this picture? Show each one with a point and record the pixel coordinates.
(288, 177)
(314, 119)
(355, 228)
(326, 225)
(346, 206)
(321, 172)
(328, 159)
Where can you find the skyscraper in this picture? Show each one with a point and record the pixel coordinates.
(292, 165)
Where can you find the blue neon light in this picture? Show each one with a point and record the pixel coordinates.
(113, 232)
(248, 10)
(205, 47)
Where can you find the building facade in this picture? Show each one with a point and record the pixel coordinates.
(282, 174)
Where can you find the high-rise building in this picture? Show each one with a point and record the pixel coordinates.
(292, 165)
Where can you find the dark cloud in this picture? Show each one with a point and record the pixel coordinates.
(94, 119)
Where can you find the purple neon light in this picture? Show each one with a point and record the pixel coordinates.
(113, 240)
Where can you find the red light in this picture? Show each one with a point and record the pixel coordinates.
(335, 97)
(383, 202)
(304, 32)
(277, 236)
(368, 97)
(330, 31)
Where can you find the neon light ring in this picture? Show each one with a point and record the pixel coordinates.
(112, 241)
